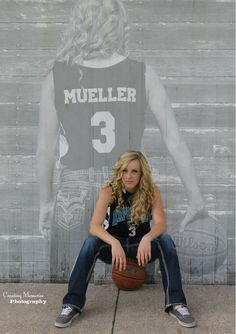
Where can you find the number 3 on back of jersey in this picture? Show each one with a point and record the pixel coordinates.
(108, 131)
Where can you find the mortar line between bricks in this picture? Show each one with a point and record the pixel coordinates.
(114, 316)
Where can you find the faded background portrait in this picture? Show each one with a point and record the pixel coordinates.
(82, 82)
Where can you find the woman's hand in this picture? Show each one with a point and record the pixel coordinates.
(144, 251)
(45, 218)
(194, 213)
(118, 255)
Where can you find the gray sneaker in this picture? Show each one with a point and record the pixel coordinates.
(68, 313)
(183, 316)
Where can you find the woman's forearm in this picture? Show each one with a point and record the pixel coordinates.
(155, 232)
(45, 169)
(184, 164)
(102, 234)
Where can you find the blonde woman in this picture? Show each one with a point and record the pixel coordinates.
(132, 200)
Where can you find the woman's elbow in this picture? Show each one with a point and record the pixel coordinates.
(173, 144)
(46, 152)
(163, 227)
(164, 230)
(92, 229)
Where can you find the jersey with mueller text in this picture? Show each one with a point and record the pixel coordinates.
(118, 223)
(100, 110)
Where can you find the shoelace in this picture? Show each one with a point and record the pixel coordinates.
(183, 311)
(66, 310)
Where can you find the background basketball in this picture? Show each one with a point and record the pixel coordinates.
(201, 246)
(132, 278)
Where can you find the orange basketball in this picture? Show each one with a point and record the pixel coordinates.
(132, 278)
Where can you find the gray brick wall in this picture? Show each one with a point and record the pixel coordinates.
(191, 46)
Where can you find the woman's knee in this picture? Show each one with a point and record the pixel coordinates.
(167, 243)
(91, 244)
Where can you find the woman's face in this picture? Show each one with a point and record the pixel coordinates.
(131, 175)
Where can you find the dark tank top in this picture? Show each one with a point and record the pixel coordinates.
(118, 221)
(100, 110)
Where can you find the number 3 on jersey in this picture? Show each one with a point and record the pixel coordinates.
(132, 231)
(108, 131)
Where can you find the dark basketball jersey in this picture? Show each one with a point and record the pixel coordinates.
(118, 221)
(101, 111)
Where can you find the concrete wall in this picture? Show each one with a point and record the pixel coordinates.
(191, 45)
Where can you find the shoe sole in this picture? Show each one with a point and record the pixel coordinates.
(193, 324)
(58, 324)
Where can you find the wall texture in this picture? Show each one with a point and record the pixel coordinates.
(190, 43)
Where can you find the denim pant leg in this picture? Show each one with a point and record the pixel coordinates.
(82, 271)
(164, 248)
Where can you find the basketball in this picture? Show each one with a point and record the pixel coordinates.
(132, 278)
(201, 247)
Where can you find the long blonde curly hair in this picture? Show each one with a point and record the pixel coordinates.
(96, 28)
(143, 197)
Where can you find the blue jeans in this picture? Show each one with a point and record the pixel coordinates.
(93, 248)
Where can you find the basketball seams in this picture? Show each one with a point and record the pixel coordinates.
(131, 278)
(128, 277)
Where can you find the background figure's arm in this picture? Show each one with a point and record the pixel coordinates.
(161, 108)
(47, 143)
